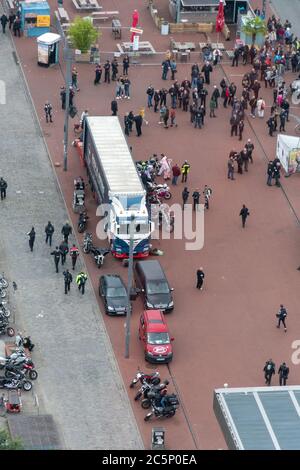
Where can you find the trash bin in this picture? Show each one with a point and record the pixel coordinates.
(164, 28)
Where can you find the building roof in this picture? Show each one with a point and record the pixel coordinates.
(259, 418)
(200, 3)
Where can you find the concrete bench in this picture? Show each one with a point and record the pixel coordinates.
(99, 14)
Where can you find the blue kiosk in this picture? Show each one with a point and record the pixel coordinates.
(35, 18)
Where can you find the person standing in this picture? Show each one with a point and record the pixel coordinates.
(11, 19)
(49, 230)
(63, 96)
(56, 253)
(176, 173)
(150, 94)
(212, 107)
(269, 370)
(3, 188)
(241, 129)
(98, 74)
(230, 167)
(207, 194)
(270, 172)
(283, 372)
(75, 78)
(138, 124)
(281, 315)
(185, 196)
(185, 169)
(80, 281)
(74, 253)
(282, 117)
(165, 69)
(244, 212)
(196, 199)
(235, 58)
(271, 125)
(125, 65)
(250, 147)
(114, 107)
(31, 235)
(276, 173)
(200, 278)
(68, 278)
(64, 250)
(107, 72)
(4, 21)
(127, 84)
(17, 27)
(207, 69)
(48, 111)
(66, 231)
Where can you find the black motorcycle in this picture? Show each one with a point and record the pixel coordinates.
(18, 381)
(155, 392)
(99, 255)
(25, 368)
(87, 242)
(4, 328)
(82, 222)
(167, 410)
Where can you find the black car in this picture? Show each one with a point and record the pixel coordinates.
(114, 293)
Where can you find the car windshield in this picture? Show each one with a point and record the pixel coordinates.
(116, 292)
(158, 338)
(158, 287)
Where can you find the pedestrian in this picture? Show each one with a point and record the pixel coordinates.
(207, 192)
(80, 281)
(176, 173)
(235, 58)
(207, 69)
(270, 172)
(165, 68)
(166, 117)
(98, 74)
(48, 111)
(150, 94)
(200, 278)
(281, 315)
(127, 84)
(75, 78)
(173, 118)
(185, 169)
(173, 67)
(138, 124)
(283, 372)
(63, 96)
(31, 235)
(253, 104)
(261, 104)
(107, 72)
(126, 65)
(17, 27)
(216, 95)
(244, 212)
(49, 230)
(212, 107)
(250, 147)
(74, 253)
(241, 129)
(230, 167)
(56, 253)
(269, 370)
(245, 158)
(3, 188)
(234, 121)
(185, 196)
(64, 250)
(68, 278)
(196, 199)
(282, 117)
(240, 162)
(11, 19)
(126, 124)
(66, 231)
(114, 107)
(4, 21)
(271, 125)
(276, 173)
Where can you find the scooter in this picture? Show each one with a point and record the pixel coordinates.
(99, 255)
(82, 222)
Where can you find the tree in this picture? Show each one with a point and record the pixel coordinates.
(82, 34)
(7, 443)
(254, 26)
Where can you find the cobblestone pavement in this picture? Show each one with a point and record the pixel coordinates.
(73, 352)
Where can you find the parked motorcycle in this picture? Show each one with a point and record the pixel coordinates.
(16, 382)
(157, 390)
(24, 342)
(82, 222)
(87, 242)
(166, 411)
(25, 368)
(3, 282)
(141, 377)
(2, 293)
(4, 311)
(99, 255)
(4, 328)
(161, 191)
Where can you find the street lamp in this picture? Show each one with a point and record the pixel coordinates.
(68, 56)
(129, 285)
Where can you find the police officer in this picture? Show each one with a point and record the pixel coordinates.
(3, 188)
(107, 72)
(244, 214)
(281, 315)
(80, 281)
(196, 199)
(74, 253)
(283, 372)
(270, 172)
(269, 370)
(200, 278)
(68, 279)
(185, 169)
(64, 249)
(48, 111)
(31, 235)
(49, 230)
(66, 231)
(185, 196)
(276, 173)
(56, 253)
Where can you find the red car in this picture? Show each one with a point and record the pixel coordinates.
(154, 333)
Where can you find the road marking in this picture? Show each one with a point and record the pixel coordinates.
(295, 402)
(266, 420)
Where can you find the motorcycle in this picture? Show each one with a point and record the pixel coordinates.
(87, 242)
(2, 293)
(99, 255)
(157, 390)
(160, 191)
(3, 282)
(25, 368)
(24, 342)
(82, 222)
(19, 381)
(5, 329)
(4, 311)
(154, 378)
(166, 411)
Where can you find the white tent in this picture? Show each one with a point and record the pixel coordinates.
(288, 152)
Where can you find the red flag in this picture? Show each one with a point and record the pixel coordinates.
(220, 21)
(135, 20)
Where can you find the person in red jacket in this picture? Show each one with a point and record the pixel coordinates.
(74, 253)
(176, 173)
